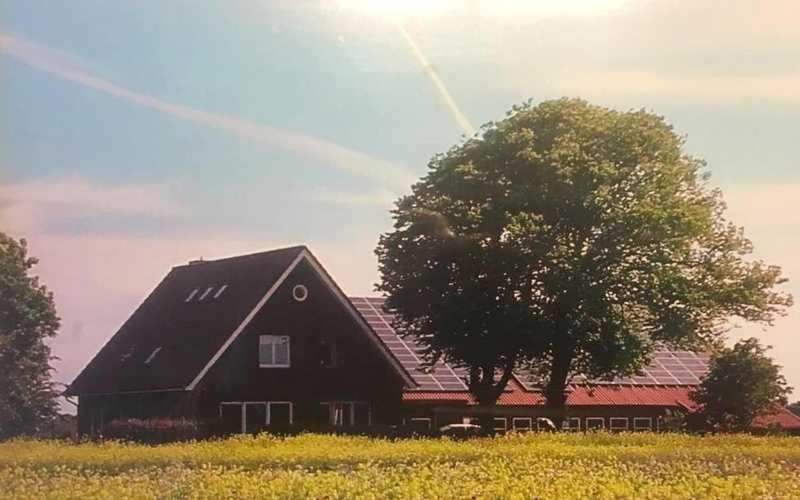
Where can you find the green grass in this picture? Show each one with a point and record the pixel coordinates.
(515, 466)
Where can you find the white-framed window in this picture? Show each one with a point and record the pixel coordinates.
(273, 351)
(219, 291)
(152, 355)
(208, 290)
(618, 423)
(348, 413)
(300, 293)
(521, 423)
(253, 416)
(571, 424)
(595, 423)
(500, 424)
(280, 413)
(192, 294)
(642, 423)
(420, 422)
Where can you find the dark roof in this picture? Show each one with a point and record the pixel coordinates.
(189, 333)
(667, 368)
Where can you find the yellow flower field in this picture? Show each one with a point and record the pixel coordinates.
(321, 466)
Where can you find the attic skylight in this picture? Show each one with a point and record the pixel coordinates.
(219, 292)
(152, 355)
(208, 290)
(191, 295)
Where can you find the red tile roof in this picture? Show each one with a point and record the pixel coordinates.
(782, 418)
(580, 395)
(600, 395)
(514, 395)
(631, 395)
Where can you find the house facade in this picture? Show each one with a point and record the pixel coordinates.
(269, 341)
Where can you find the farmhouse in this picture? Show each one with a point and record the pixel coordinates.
(269, 340)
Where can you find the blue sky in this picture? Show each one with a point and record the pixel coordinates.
(138, 135)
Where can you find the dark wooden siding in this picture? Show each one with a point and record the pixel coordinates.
(362, 373)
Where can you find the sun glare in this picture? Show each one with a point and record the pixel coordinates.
(396, 7)
(428, 8)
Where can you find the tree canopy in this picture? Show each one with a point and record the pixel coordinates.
(572, 238)
(742, 383)
(27, 318)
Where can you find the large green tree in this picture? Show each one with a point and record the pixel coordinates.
(742, 383)
(27, 319)
(570, 237)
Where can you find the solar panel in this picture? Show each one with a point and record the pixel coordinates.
(668, 367)
(441, 377)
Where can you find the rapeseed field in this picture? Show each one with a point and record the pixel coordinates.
(595, 465)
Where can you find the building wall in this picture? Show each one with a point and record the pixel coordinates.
(362, 372)
(434, 416)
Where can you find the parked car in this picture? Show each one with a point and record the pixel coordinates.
(460, 430)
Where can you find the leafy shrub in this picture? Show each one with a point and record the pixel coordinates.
(155, 430)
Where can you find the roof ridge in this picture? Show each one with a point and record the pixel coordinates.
(242, 256)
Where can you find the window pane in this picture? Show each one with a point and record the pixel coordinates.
(231, 417)
(280, 414)
(256, 414)
(265, 354)
(338, 417)
(282, 352)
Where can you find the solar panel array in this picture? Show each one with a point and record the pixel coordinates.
(441, 377)
(667, 367)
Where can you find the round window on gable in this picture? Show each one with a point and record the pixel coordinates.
(300, 293)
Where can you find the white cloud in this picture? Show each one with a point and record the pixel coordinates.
(29, 204)
(62, 65)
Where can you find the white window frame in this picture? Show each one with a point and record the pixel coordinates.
(261, 342)
(191, 295)
(219, 292)
(152, 355)
(346, 405)
(269, 410)
(422, 419)
(638, 427)
(208, 290)
(589, 421)
(496, 427)
(572, 423)
(527, 429)
(243, 410)
(614, 427)
(300, 293)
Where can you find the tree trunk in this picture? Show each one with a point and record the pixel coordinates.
(487, 392)
(555, 392)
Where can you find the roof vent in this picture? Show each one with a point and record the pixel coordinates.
(196, 261)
